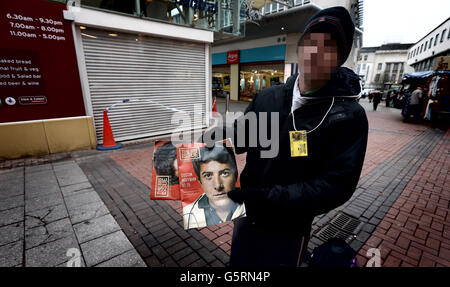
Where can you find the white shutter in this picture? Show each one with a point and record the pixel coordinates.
(170, 73)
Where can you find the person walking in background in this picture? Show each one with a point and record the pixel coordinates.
(388, 98)
(414, 106)
(376, 100)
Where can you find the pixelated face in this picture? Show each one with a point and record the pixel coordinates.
(217, 180)
(317, 57)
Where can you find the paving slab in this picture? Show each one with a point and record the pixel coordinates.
(41, 183)
(11, 185)
(96, 227)
(63, 164)
(75, 201)
(12, 215)
(38, 168)
(46, 215)
(76, 188)
(11, 233)
(11, 202)
(105, 248)
(69, 174)
(129, 259)
(43, 201)
(87, 212)
(11, 254)
(47, 233)
(50, 254)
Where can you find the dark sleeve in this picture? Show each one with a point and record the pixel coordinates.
(336, 184)
(240, 122)
(234, 128)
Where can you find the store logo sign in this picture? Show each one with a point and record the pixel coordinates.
(10, 101)
(233, 57)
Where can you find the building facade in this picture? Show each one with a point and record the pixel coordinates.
(422, 56)
(63, 63)
(267, 55)
(383, 66)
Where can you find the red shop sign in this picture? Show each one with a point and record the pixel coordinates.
(39, 76)
(233, 57)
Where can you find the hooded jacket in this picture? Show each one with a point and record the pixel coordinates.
(284, 193)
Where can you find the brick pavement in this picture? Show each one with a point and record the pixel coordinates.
(380, 188)
(416, 229)
(400, 159)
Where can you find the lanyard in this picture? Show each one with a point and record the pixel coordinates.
(329, 109)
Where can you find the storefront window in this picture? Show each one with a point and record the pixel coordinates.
(255, 78)
(221, 81)
(193, 13)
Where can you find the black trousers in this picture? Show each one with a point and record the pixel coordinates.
(415, 111)
(375, 105)
(256, 247)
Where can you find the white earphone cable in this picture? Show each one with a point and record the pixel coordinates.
(329, 109)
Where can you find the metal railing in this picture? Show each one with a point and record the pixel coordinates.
(281, 5)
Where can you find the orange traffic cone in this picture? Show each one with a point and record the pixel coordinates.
(108, 137)
(214, 108)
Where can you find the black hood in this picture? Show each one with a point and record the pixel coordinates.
(343, 83)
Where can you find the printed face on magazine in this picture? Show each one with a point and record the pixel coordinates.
(217, 180)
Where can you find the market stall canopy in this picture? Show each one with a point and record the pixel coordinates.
(424, 75)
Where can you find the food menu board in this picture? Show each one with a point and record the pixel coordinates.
(39, 76)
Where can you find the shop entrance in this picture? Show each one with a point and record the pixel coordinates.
(221, 81)
(256, 77)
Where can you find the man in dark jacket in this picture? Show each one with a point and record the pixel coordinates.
(283, 194)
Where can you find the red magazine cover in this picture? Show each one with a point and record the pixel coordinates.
(206, 175)
(165, 182)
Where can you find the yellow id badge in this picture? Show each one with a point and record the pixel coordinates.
(299, 144)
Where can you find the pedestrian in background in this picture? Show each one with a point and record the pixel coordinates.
(414, 107)
(376, 100)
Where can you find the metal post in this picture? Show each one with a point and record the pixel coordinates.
(138, 8)
(227, 104)
(236, 16)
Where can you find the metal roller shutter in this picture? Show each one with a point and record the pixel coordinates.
(157, 74)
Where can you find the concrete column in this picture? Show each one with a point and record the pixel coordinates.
(234, 82)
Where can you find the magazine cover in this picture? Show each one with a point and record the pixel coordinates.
(206, 176)
(165, 172)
